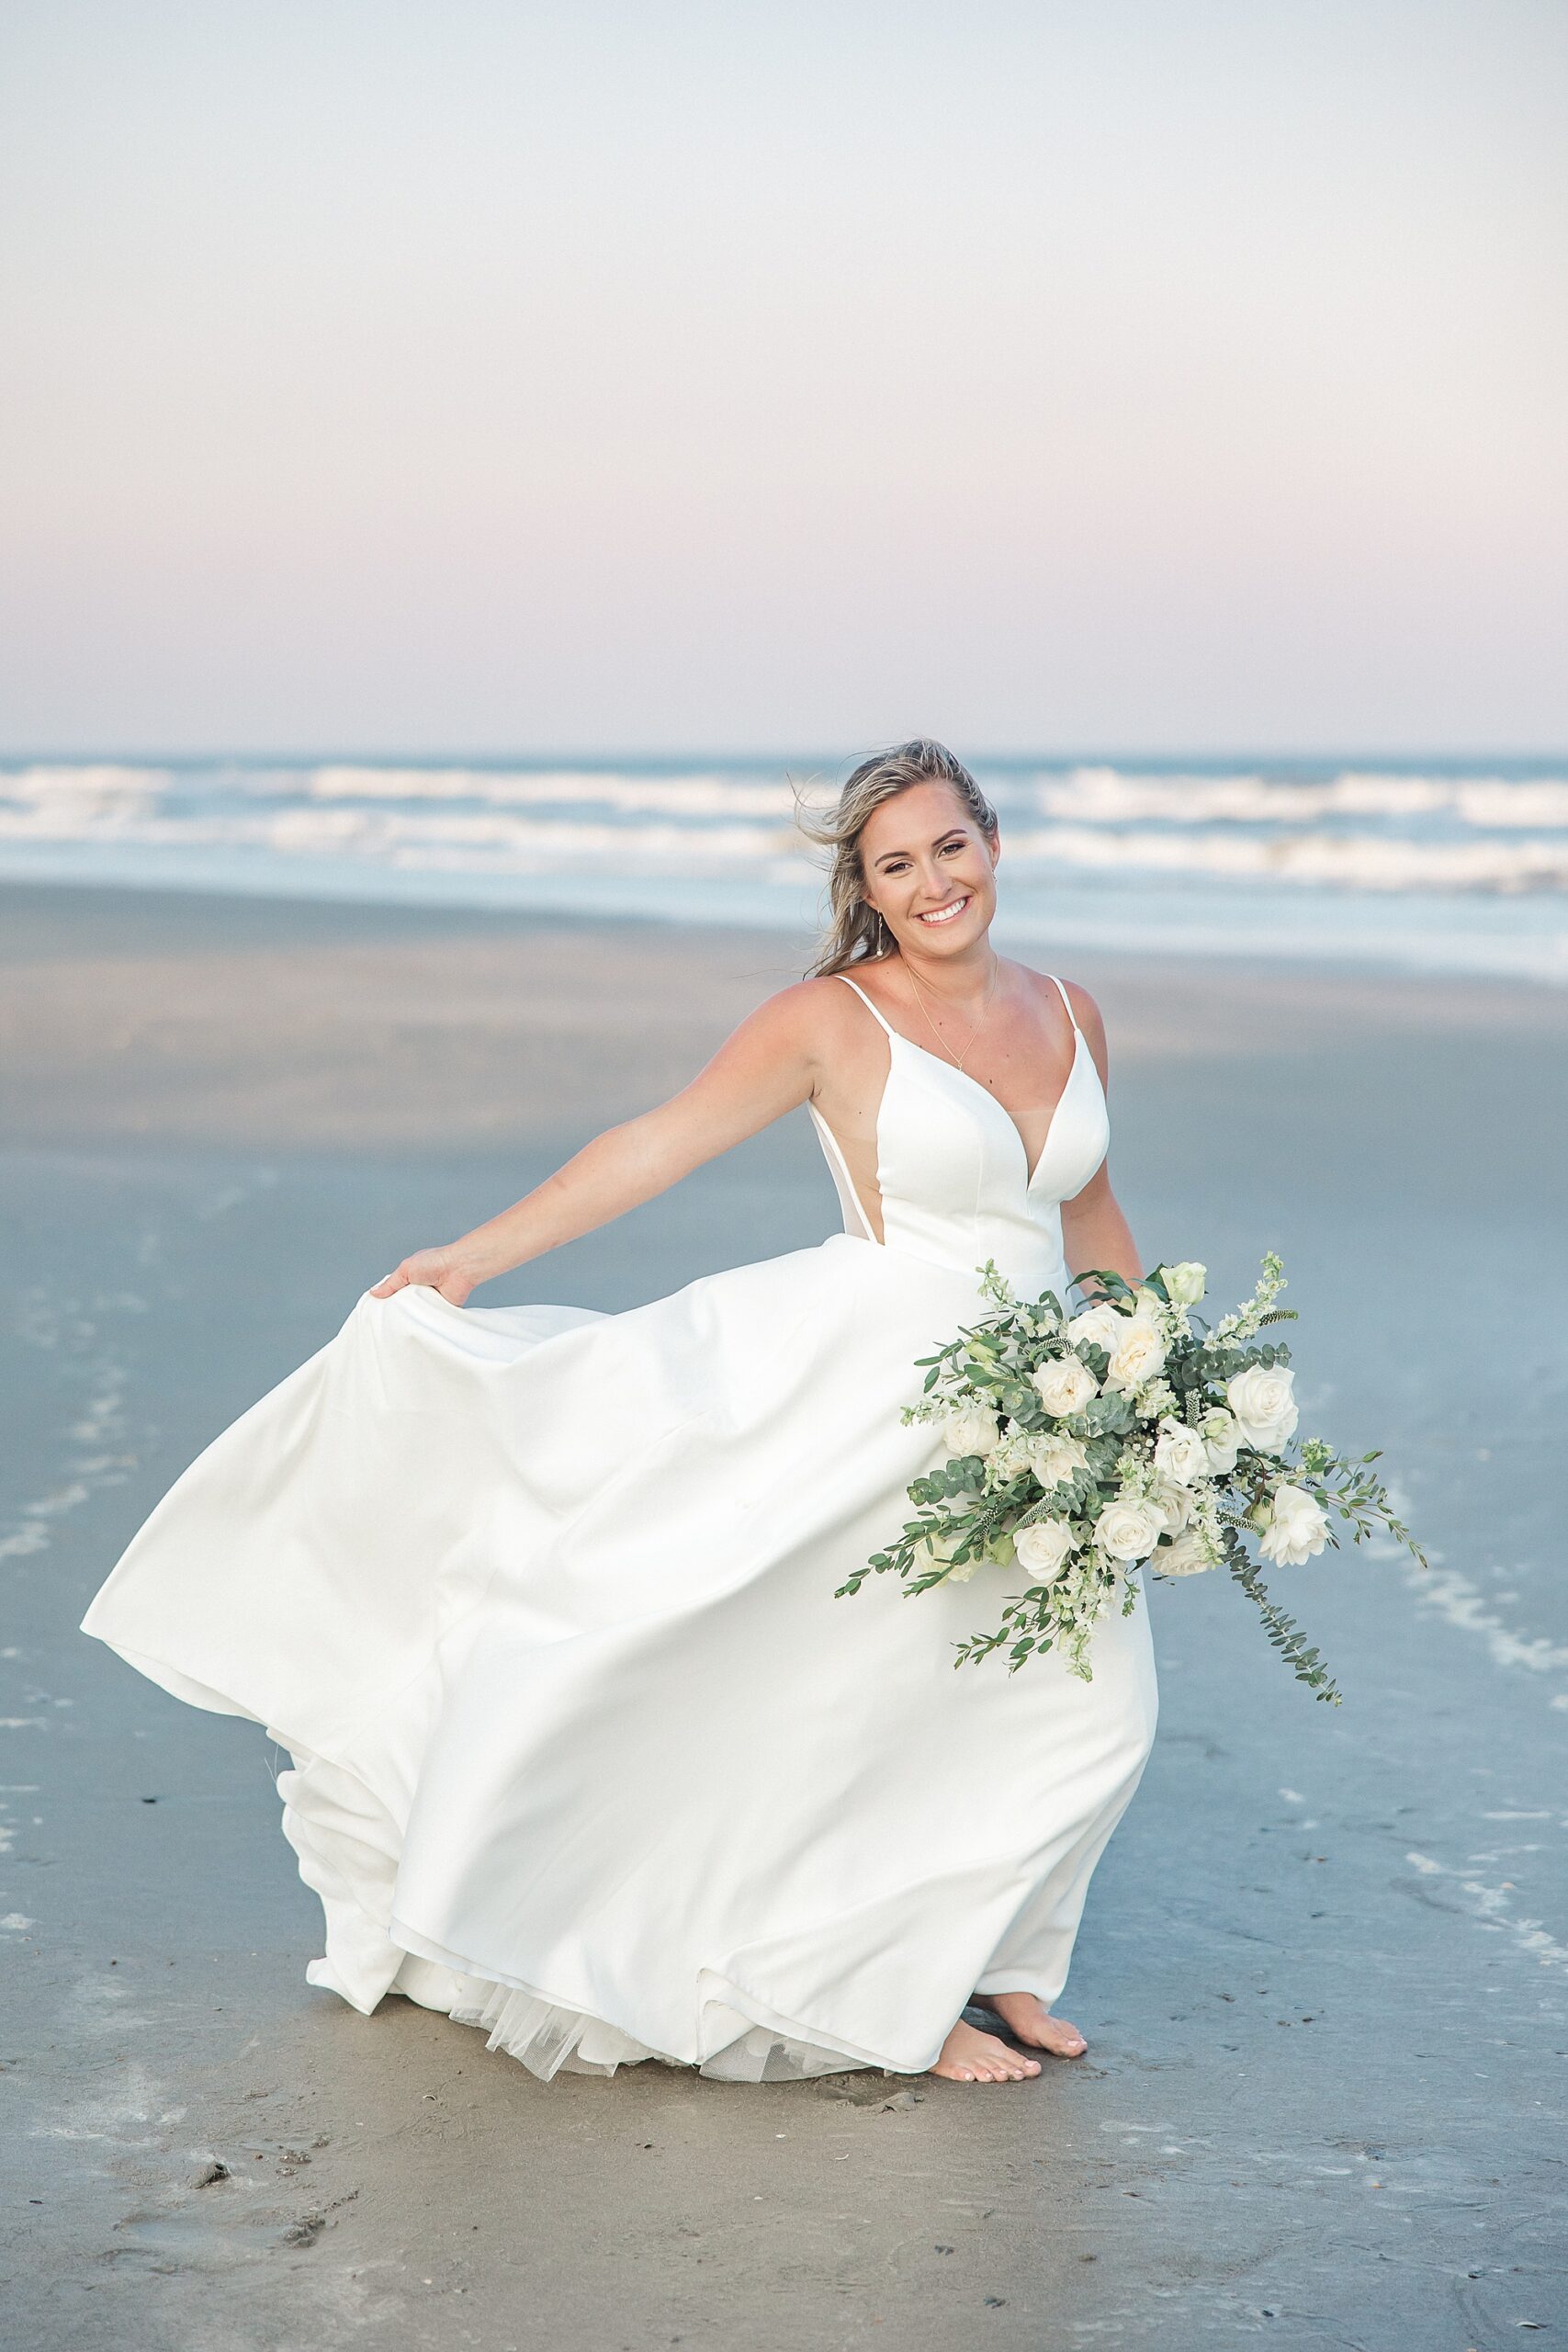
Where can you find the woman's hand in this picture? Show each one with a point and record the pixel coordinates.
(440, 1270)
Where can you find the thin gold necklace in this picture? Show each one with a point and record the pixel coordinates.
(957, 1059)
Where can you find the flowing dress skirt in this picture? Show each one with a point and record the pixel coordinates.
(584, 1750)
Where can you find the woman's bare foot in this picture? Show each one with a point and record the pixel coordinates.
(1028, 2020)
(970, 2056)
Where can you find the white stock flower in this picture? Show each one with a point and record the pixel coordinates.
(1264, 1406)
(1180, 1453)
(1156, 1402)
(1008, 1456)
(1044, 1548)
(970, 1428)
(1054, 1460)
(1102, 1325)
(1129, 1529)
(1187, 1283)
(1065, 1385)
(1138, 1356)
(1188, 1555)
(1221, 1440)
(1297, 1528)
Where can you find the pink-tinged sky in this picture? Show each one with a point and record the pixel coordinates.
(717, 373)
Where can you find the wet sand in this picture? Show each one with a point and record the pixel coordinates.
(1325, 1966)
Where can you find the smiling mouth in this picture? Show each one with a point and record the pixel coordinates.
(949, 913)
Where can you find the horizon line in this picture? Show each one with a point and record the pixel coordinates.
(597, 757)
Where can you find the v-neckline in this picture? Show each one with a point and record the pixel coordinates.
(1029, 1174)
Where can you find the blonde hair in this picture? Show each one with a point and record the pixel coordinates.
(855, 931)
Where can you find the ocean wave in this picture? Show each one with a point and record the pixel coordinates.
(1353, 831)
(374, 833)
(1093, 794)
(1356, 861)
(1115, 795)
(1338, 861)
(676, 795)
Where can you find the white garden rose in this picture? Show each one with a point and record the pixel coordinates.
(1221, 1440)
(1138, 1356)
(1297, 1528)
(970, 1428)
(1180, 1453)
(1065, 1385)
(1044, 1548)
(1186, 1283)
(1264, 1406)
(1174, 1505)
(1054, 1460)
(1187, 1556)
(1129, 1530)
(936, 1552)
(1100, 1326)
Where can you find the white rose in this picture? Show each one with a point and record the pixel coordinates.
(1101, 1326)
(1221, 1440)
(1174, 1505)
(1264, 1408)
(936, 1552)
(1297, 1528)
(1188, 1555)
(1065, 1385)
(1139, 1354)
(1054, 1460)
(1129, 1530)
(1044, 1548)
(1180, 1453)
(1186, 1283)
(970, 1428)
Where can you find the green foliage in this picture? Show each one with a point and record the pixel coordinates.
(1306, 1663)
(973, 1509)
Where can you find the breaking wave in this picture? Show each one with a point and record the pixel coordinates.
(1180, 851)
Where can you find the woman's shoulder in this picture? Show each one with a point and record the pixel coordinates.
(1044, 987)
(812, 1012)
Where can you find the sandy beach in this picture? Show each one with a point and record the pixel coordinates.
(1324, 1967)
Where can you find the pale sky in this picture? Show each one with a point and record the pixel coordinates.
(783, 375)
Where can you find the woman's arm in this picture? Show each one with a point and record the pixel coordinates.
(766, 1067)
(1094, 1231)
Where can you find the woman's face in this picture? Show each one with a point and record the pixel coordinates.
(929, 871)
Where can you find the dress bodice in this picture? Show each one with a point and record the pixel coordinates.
(953, 1171)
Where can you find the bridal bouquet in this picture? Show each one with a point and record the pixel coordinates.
(1085, 1442)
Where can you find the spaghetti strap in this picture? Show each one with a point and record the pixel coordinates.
(867, 1002)
(1062, 992)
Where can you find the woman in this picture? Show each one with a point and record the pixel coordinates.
(541, 1601)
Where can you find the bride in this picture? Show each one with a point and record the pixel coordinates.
(541, 1601)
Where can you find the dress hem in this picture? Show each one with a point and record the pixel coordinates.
(523, 2020)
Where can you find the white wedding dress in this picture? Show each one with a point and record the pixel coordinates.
(541, 1603)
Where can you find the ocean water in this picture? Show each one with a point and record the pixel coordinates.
(1442, 868)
